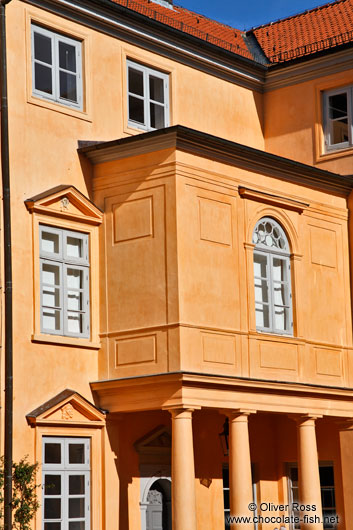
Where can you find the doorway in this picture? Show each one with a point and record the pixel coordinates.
(159, 506)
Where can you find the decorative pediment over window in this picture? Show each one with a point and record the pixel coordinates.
(66, 202)
(155, 447)
(68, 407)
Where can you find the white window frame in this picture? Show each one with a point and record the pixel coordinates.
(147, 72)
(62, 261)
(65, 470)
(56, 39)
(329, 146)
(270, 254)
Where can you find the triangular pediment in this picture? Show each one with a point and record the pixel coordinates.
(156, 441)
(66, 202)
(66, 407)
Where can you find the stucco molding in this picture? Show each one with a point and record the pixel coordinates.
(68, 408)
(275, 200)
(220, 150)
(161, 391)
(65, 202)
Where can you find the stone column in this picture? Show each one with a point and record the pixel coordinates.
(240, 480)
(183, 471)
(308, 474)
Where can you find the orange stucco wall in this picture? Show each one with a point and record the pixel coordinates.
(171, 265)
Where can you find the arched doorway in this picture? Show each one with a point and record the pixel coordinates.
(159, 512)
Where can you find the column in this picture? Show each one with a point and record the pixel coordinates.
(183, 471)
(308, 474)
(240, 480)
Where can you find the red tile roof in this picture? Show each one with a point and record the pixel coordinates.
(307, 33)
(192, 23)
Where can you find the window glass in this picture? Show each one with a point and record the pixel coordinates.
(52, 453)
(66, 491)
(64, 286)
(57, 68)
(338, 118)
(272, 277)
(147, 97)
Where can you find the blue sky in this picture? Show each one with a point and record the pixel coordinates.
(244, 14)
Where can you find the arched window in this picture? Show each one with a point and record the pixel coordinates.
(273, 298)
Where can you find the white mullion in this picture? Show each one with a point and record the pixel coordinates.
(56, 66)
(146, 91)
(350, 117)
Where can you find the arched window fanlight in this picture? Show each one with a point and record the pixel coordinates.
(272, 278)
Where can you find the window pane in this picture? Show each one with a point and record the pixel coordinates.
(262, 315)
(76, 485)
(136, 112)
(68, 89)
(52, 508)
(339, 132)
(67, 56)
(51, 274)
(326, 475)
(260, 266)
(74, 247)
(157, 116)
(76, 508)
(43, 78)
(51, 296)
(52, 526)
(280, 294)
(52, 485)
(74, 300)
(77, 525)
(279, 270)
(156, 89)
(74, 322)
(76, 453)
(338, 106)
(52, 453)
(281, 318)
(42, 48)
(74, 278)
(51, 319)
(261, 290)
(135, 81)
(50, 243)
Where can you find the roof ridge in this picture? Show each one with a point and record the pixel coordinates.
(306, 11)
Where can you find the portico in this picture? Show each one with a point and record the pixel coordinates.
(281, 409)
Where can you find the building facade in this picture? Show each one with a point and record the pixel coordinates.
(181, 196)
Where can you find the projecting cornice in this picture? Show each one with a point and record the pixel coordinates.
(220, 150)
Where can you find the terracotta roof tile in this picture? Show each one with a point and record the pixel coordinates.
(191, 23)
(307, 33)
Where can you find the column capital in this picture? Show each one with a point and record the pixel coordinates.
(181, 411)
(307, 419)
(233, 414)
(345, 424)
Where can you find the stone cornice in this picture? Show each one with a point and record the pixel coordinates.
(220, 150)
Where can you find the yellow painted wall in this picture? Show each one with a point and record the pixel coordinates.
(293, 125)
(178, 248)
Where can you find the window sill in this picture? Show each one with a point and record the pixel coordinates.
(66, 341)
(335, 153)
(277, 337)
(57, 107)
